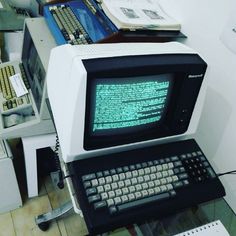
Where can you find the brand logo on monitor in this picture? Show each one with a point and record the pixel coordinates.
(195, 76)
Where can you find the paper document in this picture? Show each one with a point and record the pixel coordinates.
(215, 228)
(18, 85)
(137, 14)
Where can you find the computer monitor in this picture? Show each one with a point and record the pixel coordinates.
(113, 97)
(27, 114)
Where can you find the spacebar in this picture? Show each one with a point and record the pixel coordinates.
(137, 203)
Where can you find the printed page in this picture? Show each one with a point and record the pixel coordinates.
(137, 14)
(215, 228)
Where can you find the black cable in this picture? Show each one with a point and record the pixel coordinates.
(60, 183)
(227, 173)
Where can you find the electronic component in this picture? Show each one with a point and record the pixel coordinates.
(143, 183)
(24, 112)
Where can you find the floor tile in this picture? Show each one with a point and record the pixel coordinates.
(23, 218)
(6, 225)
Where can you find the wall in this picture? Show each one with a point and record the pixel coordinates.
(203, 22)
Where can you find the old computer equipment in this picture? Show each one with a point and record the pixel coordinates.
(77, 22)
(84, 22)
(10, 197)
(123, 123)
(23, 111)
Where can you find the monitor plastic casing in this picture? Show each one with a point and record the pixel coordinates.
(67, 87)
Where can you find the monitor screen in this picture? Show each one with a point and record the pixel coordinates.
(34, 70)
(123, 105)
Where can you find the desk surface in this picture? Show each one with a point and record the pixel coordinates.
(183, 221)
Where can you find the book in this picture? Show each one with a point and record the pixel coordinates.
(137, 14)
(215, 228)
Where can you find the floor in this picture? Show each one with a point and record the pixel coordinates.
(20, 222)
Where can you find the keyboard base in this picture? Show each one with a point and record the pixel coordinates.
(99, 221)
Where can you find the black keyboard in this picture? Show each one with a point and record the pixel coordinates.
(120, 189)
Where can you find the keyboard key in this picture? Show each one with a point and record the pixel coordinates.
(134, 181)
(138, 195)
(110, 202)
(146, 178)
(174, 158)
(132, 167)
(117, 200)
(150, 192)
(100, 189)
(140, 202)
(104, 196)
(91, 191)
(113, 171)
(177, 163)
(140, 179)
(114, 185)
(87, 184)
(183, 176)
(128, 175)
(177, 184)
(106, 173)
(121, 184)
(147, 171)
(94, 182)
(101, 181)
(121, 176)
(135, 173)
(88, 177)
(127, 182)
(144, 164)
(99, 174)
(107, 187)
(119, 170)
(94, 198)
(151, 184)
(111, 194)
(140, 172)
(144, 186)
(124, 199)
(150, 163)
(112, 210)
(108, 179)
(211, 172)
(99, 205)
(131, 197)
(118, 192)
(125, 190)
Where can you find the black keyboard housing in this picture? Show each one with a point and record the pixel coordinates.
(100, 221)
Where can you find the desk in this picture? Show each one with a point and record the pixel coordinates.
(30, 146)
(167, 226)
(191, 218)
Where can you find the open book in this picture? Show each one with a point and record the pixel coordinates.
(138, 14)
